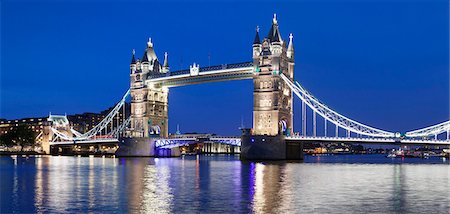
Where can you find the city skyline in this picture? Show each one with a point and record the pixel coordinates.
(330, 61)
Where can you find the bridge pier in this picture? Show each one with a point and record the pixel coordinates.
(265, 147)
(143, 147)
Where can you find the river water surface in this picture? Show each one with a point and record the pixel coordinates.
(222, 183)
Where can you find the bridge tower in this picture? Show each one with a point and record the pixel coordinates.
(272, 98)
(149, 102)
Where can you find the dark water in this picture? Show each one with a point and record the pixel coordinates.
(211, 184)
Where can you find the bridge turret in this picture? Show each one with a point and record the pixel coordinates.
(291, 56)
(156, 66)
(145, 63)
(290, 49)
(138, 95)
(133, 63)
(274, 37)
(165, 67)
(256, 44)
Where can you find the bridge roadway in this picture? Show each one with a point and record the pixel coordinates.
(181, 140)
(367, 140)
(175, 141)
(92, 141)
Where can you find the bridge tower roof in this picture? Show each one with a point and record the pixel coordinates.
(274, 33)
(133, 59)
(145, 57)
(257, 40)
(150, 52)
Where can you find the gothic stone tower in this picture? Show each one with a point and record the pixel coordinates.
(149, 102)
(272, 98)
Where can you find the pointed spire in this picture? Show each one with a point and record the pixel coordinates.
(156, 66)
(291, 44)
(133, 59)
(277, 36)
(166, 60)
(150, 52)
(149, 43)
(257, 41)
(274, 33)
(290, 49)
(145, 58)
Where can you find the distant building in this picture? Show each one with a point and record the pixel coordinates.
(36, 124)
(80, 122)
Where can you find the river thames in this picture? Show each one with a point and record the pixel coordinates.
(222, 183)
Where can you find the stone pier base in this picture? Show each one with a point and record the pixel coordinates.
(263, 147)
(136, 147)
(143, 147)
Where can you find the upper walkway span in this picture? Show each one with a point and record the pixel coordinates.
(197, 74)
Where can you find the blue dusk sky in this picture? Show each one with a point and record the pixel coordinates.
(383, 63)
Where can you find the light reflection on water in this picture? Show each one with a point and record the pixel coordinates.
(210, 184)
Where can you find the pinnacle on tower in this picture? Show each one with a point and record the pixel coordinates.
(290, 49)
(145, 58)
(274, 33)
(156, 66)
(150, 52)
(291, 44)
(257, 41)
(277, 37)
(166, 60)
(149, 43)
(133, 59)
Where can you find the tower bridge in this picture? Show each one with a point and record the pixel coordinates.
(272, 135)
